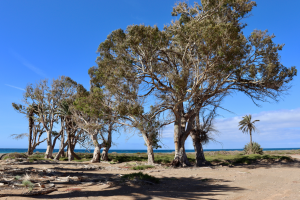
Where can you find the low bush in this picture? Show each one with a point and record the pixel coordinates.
(256, 149)
(28, 184)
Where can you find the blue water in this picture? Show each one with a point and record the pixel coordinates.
(13, 150)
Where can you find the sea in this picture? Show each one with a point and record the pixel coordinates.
(24, 150)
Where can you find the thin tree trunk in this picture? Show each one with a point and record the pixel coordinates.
(200, 158)
(62, 138)
(29, 152)
(251, 142)
(61, 150)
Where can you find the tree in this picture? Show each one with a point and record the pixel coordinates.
(88, 114)
(29, 111)
(47, 98)
(199, 56)
(247, 126)
(70, 127)
(36, 130)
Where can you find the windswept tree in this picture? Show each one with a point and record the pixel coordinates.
(36, 130)
(47, 98)
(201, 54)
(246, 125)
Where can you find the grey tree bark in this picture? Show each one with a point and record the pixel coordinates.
(96, 154)
(200, 158)
(61, 150)
(149, 149)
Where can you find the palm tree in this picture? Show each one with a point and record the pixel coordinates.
(247, 126)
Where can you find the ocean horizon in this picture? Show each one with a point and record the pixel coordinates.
(24, 150)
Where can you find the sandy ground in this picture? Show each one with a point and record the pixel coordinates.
(256, 182)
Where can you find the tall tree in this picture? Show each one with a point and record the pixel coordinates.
(197, 57)
(246, 125)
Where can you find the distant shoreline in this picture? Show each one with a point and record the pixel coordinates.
(24, 150)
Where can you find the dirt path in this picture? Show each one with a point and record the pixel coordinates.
(256, 182)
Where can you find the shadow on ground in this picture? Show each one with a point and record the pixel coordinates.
(183, 188)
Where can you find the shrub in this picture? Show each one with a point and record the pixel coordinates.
(256, 149)
(28, 184)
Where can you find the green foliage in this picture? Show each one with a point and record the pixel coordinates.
(14, 156)
(246, 125)
(36, 157)
(28, 184)
(141, 176)
(17, 177)
(142, 167)
(256, 149)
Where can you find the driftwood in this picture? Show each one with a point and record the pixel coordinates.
(32, 193)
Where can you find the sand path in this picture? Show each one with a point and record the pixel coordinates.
(255, 182)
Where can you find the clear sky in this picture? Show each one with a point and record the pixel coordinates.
(46, 39)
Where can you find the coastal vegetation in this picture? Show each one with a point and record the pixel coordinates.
(146, 78)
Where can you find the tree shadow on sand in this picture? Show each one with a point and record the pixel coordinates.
(169, 187)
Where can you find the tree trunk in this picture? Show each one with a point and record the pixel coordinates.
(61, 150)
(104, 155)
(150, 155)
(62, 138)
(200, 158)
(70, 155)
(49, 150)
(149, 149)
(180, 158)
(96, 155)
(251, 145)
(29, 152)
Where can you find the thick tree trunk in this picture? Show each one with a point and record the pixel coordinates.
(149, 149)
(96, 155)
(30, 151)
(49, 150)
(150, 155)
(70, 155)
(180, 158)
(200, 158)
(104, 154)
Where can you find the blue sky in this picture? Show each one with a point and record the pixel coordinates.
(46, 39)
